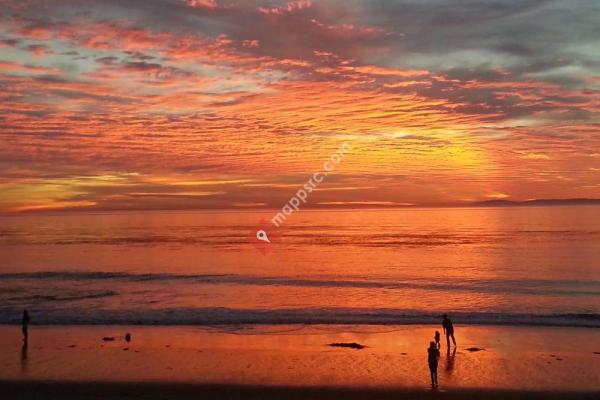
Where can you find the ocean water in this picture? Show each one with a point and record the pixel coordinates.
(522, 265)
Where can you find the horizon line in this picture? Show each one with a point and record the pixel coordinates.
(492, 203)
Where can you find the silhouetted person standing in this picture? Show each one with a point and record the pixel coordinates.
(433, 356)
(25, 325)
(448, 330)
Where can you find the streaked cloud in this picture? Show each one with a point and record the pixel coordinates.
(221, 103)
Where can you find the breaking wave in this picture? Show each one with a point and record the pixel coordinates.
(229, 316)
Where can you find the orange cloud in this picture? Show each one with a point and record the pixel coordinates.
(173, 105)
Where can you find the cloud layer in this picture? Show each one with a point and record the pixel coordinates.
(217, 104)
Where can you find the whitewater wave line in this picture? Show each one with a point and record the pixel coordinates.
(312, 316)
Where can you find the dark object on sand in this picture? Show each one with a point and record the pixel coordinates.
(473, 349)
(128, 337)
(352, 345)
(597, 352)
(108, 339)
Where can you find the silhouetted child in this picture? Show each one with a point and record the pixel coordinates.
(437, 340)
(25, 325)
(433, 356)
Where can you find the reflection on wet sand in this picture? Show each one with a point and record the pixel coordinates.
(450, 358)
(24, 357)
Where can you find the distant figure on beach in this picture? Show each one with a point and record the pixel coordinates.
(438, 345)
(448, 330)
(25, 325)
(433, 356)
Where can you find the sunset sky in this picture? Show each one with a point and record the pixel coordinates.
(176, 104)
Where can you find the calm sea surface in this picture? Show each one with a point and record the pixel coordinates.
(530, 265)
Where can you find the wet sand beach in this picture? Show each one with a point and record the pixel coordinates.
(294, 361)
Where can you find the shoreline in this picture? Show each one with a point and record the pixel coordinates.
(327, 318)
(221, 316)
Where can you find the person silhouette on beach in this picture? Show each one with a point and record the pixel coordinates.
(25, 326)
(448, 330)
(433, 356)
(436, 337)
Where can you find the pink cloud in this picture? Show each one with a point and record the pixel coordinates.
(202, 3)
(288, 8)
(250, 43)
